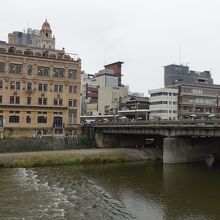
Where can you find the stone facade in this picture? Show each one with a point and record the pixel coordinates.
(36, 38)
(39, 90)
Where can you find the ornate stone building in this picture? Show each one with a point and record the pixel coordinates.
(39, 88)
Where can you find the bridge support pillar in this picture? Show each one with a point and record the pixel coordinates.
(184, 150)
(106, 140)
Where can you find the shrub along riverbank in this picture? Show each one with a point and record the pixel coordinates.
(73, 157)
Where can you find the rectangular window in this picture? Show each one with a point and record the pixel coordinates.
(41, 119)
(72, 89)
(40, 87)
(72, 74)
(43, 71)
(29, 86)
(55, 88)
(1, 84)
(42, 101)
(14, 119)
(111, 81)
(15, 85)
(198, 91)
(58, 72)
(55, 102)
(58, 88)
(17, 100)
(0, 99)
(72, 102)
(12, 100)
(2, 67)
(18, 85)
(15, 68)
(12, 84)
(45, 87)
(72, 116)
(60, 102)
(28, 100)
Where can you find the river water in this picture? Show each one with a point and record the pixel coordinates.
(112, 191)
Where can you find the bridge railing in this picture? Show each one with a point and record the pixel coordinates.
(211, 122)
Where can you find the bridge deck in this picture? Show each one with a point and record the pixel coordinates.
(206, 128)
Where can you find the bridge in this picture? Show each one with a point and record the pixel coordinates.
(182, 141)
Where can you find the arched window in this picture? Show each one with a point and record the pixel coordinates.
(29, 70)
(20, 52)
(37, 54)
(11, 50)
(28, 119)
(28, 53)
(45, 54)
(53, 56)
(2, 50)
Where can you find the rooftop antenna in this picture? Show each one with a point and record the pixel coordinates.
(105, 60)
(180, 55)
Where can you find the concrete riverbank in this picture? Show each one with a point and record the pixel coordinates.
(77, 156)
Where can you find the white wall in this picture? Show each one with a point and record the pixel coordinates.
(164, 111)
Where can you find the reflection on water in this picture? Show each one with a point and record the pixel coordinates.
(112, 191)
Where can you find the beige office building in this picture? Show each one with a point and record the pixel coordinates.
(109, 99)
(39, 87)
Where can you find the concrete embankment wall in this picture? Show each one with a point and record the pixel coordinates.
(35, 144)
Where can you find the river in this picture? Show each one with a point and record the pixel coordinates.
(111, 191)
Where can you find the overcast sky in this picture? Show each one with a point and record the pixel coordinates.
(145, 34)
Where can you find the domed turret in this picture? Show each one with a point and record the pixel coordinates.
(46, 25)
(46, 39)
(45, 30)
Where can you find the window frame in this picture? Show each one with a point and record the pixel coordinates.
(43, 71)
(14, 119)
(15, 68)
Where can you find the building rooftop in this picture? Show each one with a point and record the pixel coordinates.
(111, 64)
(138, 99)
(214, 86)
(39, 52)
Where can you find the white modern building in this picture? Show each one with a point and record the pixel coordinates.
(163, 103)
